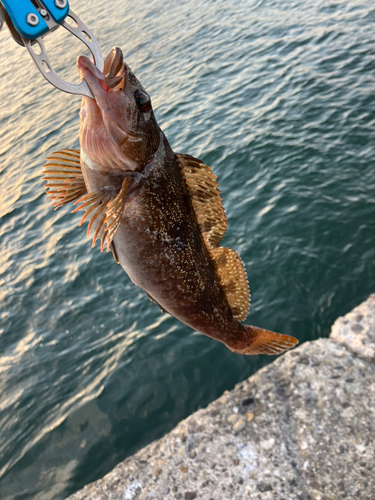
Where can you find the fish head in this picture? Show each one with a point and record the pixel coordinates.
(118, 128)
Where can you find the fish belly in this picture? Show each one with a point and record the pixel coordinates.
(159, 245)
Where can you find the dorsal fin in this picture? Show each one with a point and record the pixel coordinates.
(232, 276)
(209, 211)
(205, 197)
(64, 177)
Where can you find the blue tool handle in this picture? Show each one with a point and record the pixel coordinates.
(58, 13)
(28, 21)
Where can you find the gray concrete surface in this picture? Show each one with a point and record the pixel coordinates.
(301, 428)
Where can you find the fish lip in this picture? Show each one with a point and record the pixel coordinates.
(85, 64)
(94, 78)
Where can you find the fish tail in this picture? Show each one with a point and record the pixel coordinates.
(255, 340)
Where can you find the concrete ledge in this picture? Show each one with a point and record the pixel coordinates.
(301, 428)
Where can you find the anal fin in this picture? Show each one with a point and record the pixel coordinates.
(65, 182)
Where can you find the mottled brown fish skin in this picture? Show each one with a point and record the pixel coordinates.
(160, 245)
(158, 241)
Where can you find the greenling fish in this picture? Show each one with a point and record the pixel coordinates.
(159, 212)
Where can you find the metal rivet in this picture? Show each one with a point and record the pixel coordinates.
(61, 4)
(43, 12)
(32, 19)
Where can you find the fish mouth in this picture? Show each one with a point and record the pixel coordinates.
(112, 80)
(114, 67)
(114, 73)
(94, 78)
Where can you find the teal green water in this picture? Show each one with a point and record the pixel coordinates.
(278, 97)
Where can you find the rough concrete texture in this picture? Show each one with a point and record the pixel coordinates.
(301, 428)
(356, 330)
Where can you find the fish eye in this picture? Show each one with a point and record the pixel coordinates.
(142, 100)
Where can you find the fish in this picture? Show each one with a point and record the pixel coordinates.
(159, 212)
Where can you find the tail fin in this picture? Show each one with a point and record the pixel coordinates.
(261, 341)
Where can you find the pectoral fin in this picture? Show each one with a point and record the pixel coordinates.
(64, 177)
(65, 184)
(104, 211)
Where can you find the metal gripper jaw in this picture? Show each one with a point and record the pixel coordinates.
(30, 20)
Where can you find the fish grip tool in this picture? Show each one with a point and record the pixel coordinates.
(30, 20)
